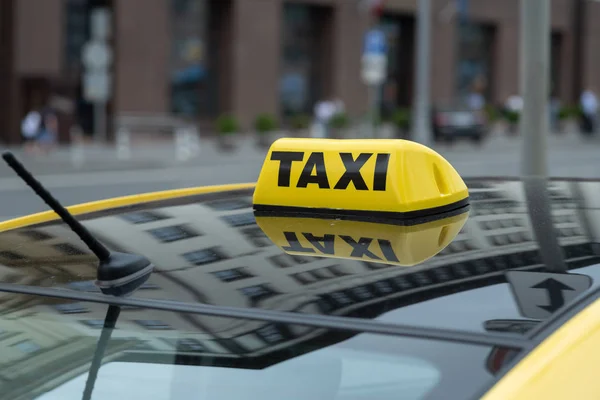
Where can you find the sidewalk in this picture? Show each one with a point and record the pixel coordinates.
(162, 154)
(153, 155)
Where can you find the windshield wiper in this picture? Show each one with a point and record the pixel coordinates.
(118, 274)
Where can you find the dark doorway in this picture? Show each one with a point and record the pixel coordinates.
(217, 91)
(306, 57)
(398, 88)
(35, 94)
(555, 63)
(9, 132)
(200, 57)
(78, 33)
(474, 71)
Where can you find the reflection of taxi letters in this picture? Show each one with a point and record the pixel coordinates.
(365, 240)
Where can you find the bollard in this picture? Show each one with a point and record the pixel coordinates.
(194, 140)
(182, 145)
(123, 143)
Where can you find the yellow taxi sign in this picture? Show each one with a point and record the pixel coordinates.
(361, 240)
(396, 177)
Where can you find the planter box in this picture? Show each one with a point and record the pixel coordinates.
(387, 131)
(568, 126)
(264, 140)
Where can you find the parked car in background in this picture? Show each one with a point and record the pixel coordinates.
(457, 121)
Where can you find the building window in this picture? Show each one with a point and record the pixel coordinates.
(36, 235)
(288, 260)
(190, 83)
(296, 82)
(77, 32)
(173, 233)
(231, 275)
(68, 249)
(391, 26)
(335, 300)
(94, 323)
(362, 293)
(71, 308)
(555, 63)
(143, 217)
(189, 346)
(11, 256)
(257, 237)
(319, 275)
(152, 324)
(383, 287)
(236, 220)
(27, 346)
(258, 292)
(474, 59)
(229, 205)
(204, 256)
(271, 334)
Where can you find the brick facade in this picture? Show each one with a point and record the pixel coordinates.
(248, 55)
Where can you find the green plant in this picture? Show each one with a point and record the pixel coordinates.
(227, 124)
(574, 112)
(401, 118)
(564, 113)
(491, 112)
(339, 121)
(513, 116)
(300, 122)
(569, 112)
(265, 123)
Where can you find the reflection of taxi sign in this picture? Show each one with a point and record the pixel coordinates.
(396, 178)
(360, 240)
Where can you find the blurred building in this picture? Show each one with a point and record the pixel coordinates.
(199, 58)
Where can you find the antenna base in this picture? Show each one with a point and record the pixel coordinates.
(121, 274)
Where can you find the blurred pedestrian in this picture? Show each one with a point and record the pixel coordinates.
(475, 97)
(48, 135)
(30, 130)
(589, 112)
(475, 101)
(324, 111)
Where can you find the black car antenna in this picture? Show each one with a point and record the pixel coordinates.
(119, 274)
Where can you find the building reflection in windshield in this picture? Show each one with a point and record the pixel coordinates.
(212, 251)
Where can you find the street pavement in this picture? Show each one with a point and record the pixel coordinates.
(153, 167)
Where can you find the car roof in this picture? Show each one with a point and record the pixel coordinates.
(208, 249)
